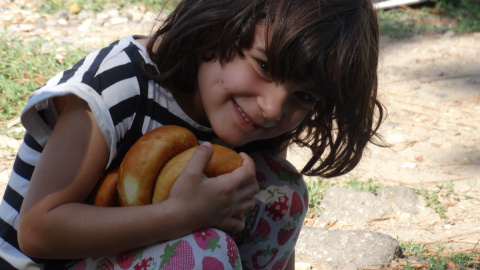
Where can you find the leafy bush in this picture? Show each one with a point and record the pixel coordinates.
(466, 12)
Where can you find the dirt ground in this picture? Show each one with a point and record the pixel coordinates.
(430, 86)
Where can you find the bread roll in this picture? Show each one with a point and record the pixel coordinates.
(152, 165)
(142, 163)
(106, 195)
(223, 160)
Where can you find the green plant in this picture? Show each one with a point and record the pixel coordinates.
(24, 67)
(448, 185)
(16, 134)
(457, 15)
(439, 260)
(396, 24)
(412, 249)
(432, 201)
(447, 261)
(465, 12)
(316, 190)
(369, 186)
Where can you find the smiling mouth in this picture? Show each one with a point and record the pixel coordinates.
(244, 115)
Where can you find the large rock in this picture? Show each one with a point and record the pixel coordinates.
(402, 199)
(337, 249)
(349, 206)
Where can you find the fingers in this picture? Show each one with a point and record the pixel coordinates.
(246, 173)
(235, 224)
(232, 224)
(249, 187)
(217, 200)
(199, 159)
(247, 162)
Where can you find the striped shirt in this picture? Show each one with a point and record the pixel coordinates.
(120, 97)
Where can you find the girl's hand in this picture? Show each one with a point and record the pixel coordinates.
(212, 202)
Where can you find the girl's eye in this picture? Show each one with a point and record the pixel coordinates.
(263, 65)
(305, 98)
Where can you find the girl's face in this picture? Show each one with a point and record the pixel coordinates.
(242, 103)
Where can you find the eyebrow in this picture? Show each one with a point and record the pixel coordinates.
(260, 50)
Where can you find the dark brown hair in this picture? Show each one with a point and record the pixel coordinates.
(333, 42)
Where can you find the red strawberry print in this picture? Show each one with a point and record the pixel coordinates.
(282, 262)
(262, 258)
(178, 255)
(285, 233)
(296, 207)
(276, 205)
(212, 263)
(274, 165)
(233, 256)
(262, 233)
(81, 266)
(283, 173)
(125, 259)
(207, 239)
(104, 264)
(145, 264)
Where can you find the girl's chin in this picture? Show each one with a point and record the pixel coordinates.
(231, 138)
(233, 141)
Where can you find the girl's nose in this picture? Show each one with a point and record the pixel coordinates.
(272, 101)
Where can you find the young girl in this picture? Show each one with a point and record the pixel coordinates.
(255, 76)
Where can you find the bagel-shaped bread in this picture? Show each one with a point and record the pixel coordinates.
(142, 163)
(223, 160)
(106, 195)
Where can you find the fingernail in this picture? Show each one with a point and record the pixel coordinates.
(207, 144)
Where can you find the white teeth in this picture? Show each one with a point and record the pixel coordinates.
(244, 116)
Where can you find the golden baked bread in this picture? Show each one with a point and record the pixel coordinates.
(223, 160)
(142, 163)
(106, 195)
(152, 165)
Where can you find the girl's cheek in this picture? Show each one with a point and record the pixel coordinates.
(299, 116)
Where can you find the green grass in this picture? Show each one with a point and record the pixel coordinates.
(431, 197)
(316, 190)
(318, 186)
(23, 69)
(466, 12)
(439, 259)
(370, 185)
(461, 16)
(396, 24)
(52, 6)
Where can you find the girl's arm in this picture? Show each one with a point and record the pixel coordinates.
(55, 223)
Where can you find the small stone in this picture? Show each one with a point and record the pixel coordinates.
(409, 165)
(449, 33)
(26, 27)
(62, 22)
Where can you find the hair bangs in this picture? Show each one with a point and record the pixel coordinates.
(302, 42)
